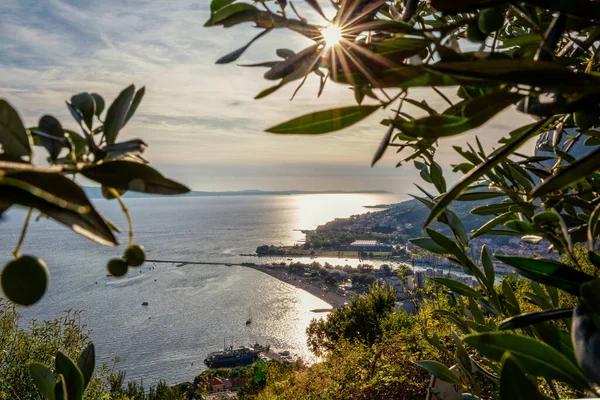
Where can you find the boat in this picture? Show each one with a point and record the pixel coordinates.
(231, 357)
(260, 348)
(249, 320)
(145, 303)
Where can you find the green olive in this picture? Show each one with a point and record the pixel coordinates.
(474, 34)
(117, 267)
(134, 255)
(24, 280)
(585, 119)
(490, 20)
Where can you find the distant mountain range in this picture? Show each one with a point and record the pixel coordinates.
(94, 192)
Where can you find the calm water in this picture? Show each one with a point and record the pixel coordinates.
(192, 308)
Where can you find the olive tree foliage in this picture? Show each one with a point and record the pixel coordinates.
(53, 192)
(539, 57)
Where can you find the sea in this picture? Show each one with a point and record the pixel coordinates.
(192, 309)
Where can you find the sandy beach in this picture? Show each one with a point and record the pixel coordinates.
(333, 299)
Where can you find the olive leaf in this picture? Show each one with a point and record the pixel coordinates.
(134, 176)
(14, 143)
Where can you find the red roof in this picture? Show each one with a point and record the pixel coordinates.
(215, 381)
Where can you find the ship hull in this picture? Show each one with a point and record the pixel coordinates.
(230, 363)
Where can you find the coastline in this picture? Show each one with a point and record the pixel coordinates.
(331, 298)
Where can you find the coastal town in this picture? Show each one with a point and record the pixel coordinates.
(379, 241)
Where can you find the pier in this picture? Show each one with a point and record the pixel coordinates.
(182, 263)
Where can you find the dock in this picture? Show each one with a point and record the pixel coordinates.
(181, 263)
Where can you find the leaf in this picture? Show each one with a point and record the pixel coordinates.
(324, 121)
(315, 5)
(590, 292)
(134, 176)
(449, 245)
(229, 11)
(440, 371)
(537, 358)
(488, 265)
(285, 53)
(461, 353)
(518, 138)
(457, 287)
(477, 314)
(457, 320)
(234, 55)
(383, 145)
(54, 135)
(514, 384)
(298, 65)
(429, 245)
(14, 143)
(569, 175)
(509, 296)
(558, 338)
(73, 377)
(457, 227)
(467, 115)
(547, 75)
(43, 379)
(86, 105)
(437, 176)
(86, 362)
(268, 91)
(128, 147)
(473, 196)
(99, 102)
(59, 198)
(488, 226)
(548, 272)
(60, 389)
(592, 228)
(137, 99)
(528, 319)
(115, 116)
(216, 5)
(586, 338)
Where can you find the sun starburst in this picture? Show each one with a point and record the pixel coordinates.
(332, 34)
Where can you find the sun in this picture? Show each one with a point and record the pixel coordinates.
(332, 35)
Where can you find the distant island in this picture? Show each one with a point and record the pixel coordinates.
(94, 192)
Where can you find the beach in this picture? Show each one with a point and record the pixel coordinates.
(334, 299)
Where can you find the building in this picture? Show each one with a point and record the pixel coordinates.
(218, 385)
(369, 245)
(419, 278)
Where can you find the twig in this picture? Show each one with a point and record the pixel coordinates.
(23, 232)
(126, 212)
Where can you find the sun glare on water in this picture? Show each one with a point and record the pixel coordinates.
(332, 35)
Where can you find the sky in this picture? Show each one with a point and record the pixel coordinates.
(200, 120)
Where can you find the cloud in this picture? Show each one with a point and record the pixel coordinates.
(196, 116)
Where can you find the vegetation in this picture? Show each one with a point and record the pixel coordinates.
(538, 55)
(66, 338)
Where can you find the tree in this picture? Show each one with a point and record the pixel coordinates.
(539, 56)
(360, 320)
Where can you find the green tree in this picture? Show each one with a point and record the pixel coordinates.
(481, 58)
(360, 320)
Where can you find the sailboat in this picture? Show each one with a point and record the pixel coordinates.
(249, 320)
